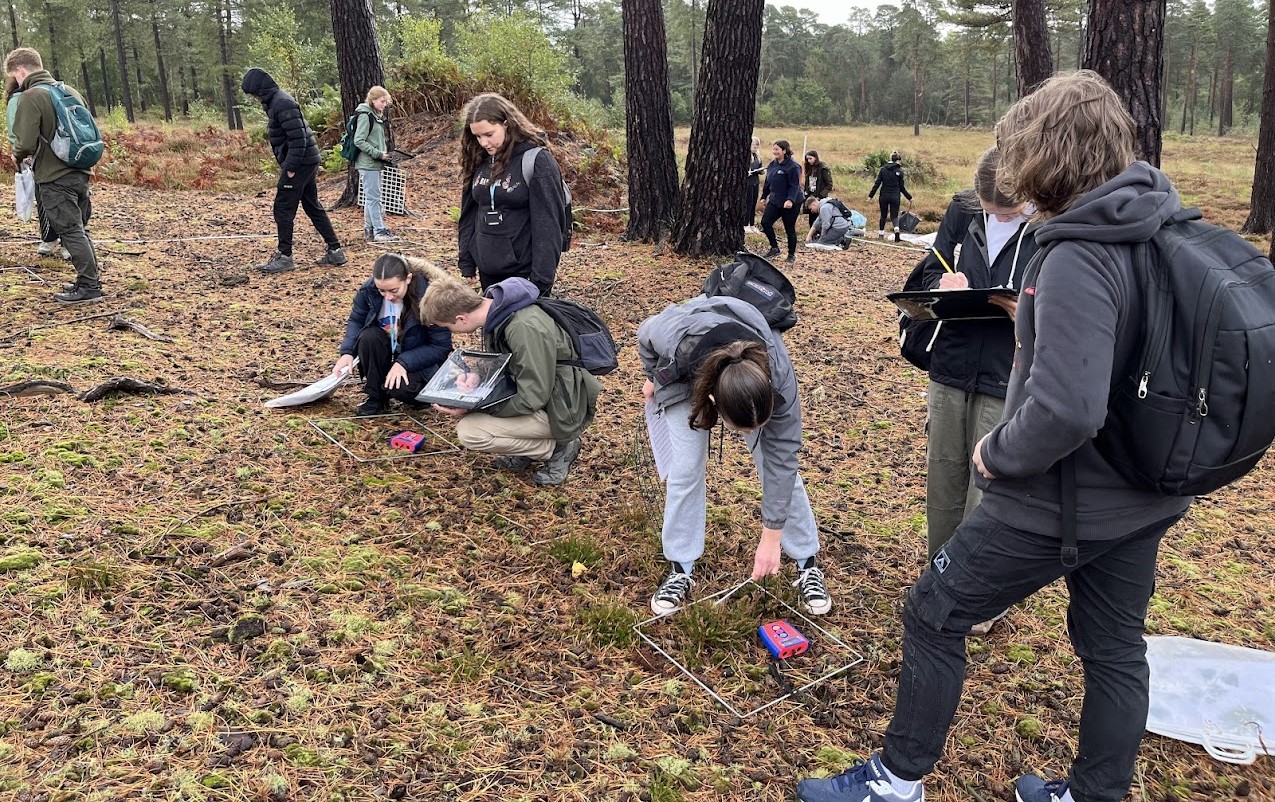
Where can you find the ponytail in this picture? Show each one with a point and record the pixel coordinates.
(733, 381)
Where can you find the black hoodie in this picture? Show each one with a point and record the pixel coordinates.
(1079, 324)
(290, 136)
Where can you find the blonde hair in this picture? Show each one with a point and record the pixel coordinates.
(1072, 135)
(376, 93)
(27, 57)
(446, 299)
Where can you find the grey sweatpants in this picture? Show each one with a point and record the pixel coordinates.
(686, 496)
(957, 421)
(833, 235)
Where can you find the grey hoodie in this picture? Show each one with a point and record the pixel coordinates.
(665, 342)
(1079, 326)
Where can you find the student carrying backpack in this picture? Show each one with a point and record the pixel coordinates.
(755, 280)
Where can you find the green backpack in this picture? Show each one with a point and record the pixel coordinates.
(76, 138)
(350, 151)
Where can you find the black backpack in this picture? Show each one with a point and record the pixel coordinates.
(841, 207)
(753, 279)
(1195, 412)
(916, 337)
(568, 218)
(594, 346)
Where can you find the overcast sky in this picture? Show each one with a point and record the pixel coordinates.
(831, 12)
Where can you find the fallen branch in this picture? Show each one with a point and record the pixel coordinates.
(125, 384)
(54, 323)
(123, 323)
(239, 551)
(36, 387)
(611, 722)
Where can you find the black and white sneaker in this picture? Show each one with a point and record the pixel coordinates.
(673, 591)
(813, 592)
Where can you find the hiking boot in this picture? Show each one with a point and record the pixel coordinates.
(386, 236)
(813, 591)
(981, 629)
(556, 467)
(279, 263)
(333, 256)
(792, 257)
(672, 592)
(372, 406)
(511, 464)
(863, 782)
(772, 253)
(79, 294)
(1030, 788)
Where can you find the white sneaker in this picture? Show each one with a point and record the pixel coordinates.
(672, 592)
(752, 230)
(47, 248)
(813, 592)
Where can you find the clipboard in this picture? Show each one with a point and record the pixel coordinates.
(965, 303)
(489, 370)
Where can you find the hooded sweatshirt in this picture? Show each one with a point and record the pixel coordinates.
(290, 136)
(666, 343)
(369, 138)
(515, 325)
(891, 183)
(1079, 327)
(525, 238)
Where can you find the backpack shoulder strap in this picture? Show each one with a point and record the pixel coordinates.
(529, 163)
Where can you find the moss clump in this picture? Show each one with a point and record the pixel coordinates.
(1021, 653)
(181, 680)
(21, 661)
(143, 722)
(20, 560)
(39, 682)
(298, 755)
(1029, 728)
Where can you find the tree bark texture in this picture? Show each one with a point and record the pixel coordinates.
(1031, 45)
(648, 122)
(1226, 93)
(87, 85)
(163, 73)
(711, 202)
(122, 56)
(13, 24)
(141, 89)
(358, 62)
(1125, 45)
(106, 78)
(53, 43)
(233, 121)
(1261, 215)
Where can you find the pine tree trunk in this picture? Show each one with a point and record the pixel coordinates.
(163, 73)
(1261, 215)
(106, 79)
(710, 205)
(1225, 95)
(358, 61)
(1126, 47)
(13, 23)
(648, 122)
(53, 43)
(234, 121)
(86, 86)
(122, 56)
(1031, 45)
(137, 70)
(918, 90)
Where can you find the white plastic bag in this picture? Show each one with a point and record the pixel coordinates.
(1213, 694)
(24, 192)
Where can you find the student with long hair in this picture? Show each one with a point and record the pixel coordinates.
(711, 360)
(1068, 148)
(816, 182)
(781, 195)
(371, 137)
(397, 352)
(555, 399)
(755, 169)
(970, 360)
(892, 184)
(509, 226)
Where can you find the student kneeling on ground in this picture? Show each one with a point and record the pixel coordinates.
(397, 353)
(716, 358)
(830, 225)
(555, 401)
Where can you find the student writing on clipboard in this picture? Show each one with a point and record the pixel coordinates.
(970, 360)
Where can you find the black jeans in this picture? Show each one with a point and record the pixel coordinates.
(375, 361)
(67, 208)
(987, 567)
(890, 210)
(301, 189)
(789, 216)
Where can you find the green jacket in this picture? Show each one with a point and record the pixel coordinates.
(369, 138)
(568, 394)
(33, 127)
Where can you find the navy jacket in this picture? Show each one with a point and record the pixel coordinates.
(976, 355)
(290, 136)
(783, 182)
(421, 348)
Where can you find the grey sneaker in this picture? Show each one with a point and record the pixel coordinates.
(79, 295)
(511, 464)
(386, 236)
(333, 256)
(556, 467)
(279, 263)
(47, 248)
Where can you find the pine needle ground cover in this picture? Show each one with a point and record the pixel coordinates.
(203, 599)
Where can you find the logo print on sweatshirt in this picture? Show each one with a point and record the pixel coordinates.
(942, 561)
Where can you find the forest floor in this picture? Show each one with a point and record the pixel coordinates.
(201, 598)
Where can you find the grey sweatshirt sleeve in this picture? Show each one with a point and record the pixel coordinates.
(779, 441)
(1074, 310)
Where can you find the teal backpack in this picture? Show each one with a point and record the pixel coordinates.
(76, 138)
(350, 151)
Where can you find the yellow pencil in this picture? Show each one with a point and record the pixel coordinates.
(942, 261)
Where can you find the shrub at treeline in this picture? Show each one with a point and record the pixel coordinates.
(566, 56)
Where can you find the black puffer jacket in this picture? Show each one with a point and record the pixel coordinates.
(976, 355)
(290, 136)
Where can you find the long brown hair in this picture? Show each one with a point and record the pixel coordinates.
(496, 109)
(1070, 136)
(737, 377)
